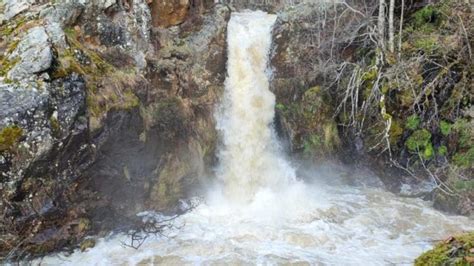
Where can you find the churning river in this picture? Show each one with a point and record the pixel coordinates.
(259, 211)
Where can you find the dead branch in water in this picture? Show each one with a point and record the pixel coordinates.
(152, 225)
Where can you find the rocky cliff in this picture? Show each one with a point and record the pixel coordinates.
(102, 115)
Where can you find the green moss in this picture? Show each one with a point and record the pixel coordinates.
(465, 133)
(280, 107)
(311, 144)
(396, 131)
(426, 18)
(413, 121)
(370, 75)
(55, 127)
(464, 185)
(8, 29)
(420, 141)
(9, 137)
(464, 159)
(443, 150)
(445, 128)
(428, 44)
(428, 153)
(6, 65)
(331, 136)
(13, 45)
(453, 251)
(107, 87)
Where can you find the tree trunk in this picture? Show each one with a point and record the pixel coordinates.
(400, 31)
(381, 24)
(391, 29)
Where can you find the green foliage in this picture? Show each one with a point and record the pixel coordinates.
(420, 141)
(465, 159)
(467, 185)
(453, 251)
(428, 44)
(445, 128)
(395, 132)
(280, 107)
(443, 150)
(464, 130)
(312, 143)
(429, 151)
(9, 137)
(413, 121)
(370, 75)
(427, 16)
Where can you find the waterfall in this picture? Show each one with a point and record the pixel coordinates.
(250, 157)
(264, 216)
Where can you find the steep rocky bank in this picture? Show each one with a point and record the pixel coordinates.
(102, 117)
(107, 106)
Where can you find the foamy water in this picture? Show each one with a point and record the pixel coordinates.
(258, 212)
(305, 223)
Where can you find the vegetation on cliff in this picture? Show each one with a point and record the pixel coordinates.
(411, 104)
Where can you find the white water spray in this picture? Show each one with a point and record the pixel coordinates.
(250, 157)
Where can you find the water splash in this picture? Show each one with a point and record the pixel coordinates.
(249, 157)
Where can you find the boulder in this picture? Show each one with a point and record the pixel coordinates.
(34, 54)
(15, 7)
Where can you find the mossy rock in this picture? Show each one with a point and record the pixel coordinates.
(457, 250)
(87, 244)
(9, 137)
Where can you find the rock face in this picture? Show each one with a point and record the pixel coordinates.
(34, 54)
(15, 7)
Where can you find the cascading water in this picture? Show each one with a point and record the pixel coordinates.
(262, 215)
(249, 157)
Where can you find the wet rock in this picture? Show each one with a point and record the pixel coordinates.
(169, 13)
(37, 171)
(87, 244)
(34, 54)
(415, 188)
(456, 204)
